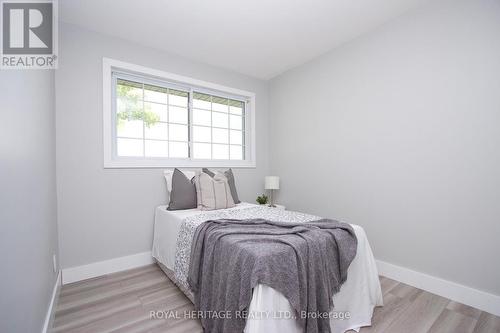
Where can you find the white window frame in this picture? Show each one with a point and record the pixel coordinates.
(111, 160)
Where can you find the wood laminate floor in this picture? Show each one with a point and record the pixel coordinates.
(122, 302)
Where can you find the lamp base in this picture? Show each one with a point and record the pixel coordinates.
(271, 204)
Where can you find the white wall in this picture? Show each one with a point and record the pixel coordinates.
(28, 217)
(399, 131)
(108, 213)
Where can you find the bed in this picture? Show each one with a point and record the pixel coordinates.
(354, 303)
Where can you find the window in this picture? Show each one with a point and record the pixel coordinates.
(218, 128)
(156, 119)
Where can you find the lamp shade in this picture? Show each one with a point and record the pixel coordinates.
(272, 183)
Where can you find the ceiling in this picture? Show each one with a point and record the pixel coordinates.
(259, 38)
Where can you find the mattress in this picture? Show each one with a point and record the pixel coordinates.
(353, 304)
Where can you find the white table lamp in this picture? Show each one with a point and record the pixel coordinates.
(272, 183)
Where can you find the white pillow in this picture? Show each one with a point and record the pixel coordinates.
(168, 178)
(213, 193)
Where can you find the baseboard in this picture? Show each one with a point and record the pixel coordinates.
(84, 272)
(454, 291)
(49, 317)
(476, 298)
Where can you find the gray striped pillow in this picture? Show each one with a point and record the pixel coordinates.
(230, 180)
(213, 193)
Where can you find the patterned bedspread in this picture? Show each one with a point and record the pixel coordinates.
(189, 225)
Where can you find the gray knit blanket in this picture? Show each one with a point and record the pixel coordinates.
(306, 262)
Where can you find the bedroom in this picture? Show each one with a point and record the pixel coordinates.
(380, 114)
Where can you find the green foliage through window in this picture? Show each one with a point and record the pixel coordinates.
(130, 94)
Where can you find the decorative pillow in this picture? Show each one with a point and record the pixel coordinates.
(213, 192)
(170, 172)
(183, 194)
(230, 180)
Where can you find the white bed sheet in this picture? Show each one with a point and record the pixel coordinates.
(357, 296)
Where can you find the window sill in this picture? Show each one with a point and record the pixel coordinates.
(152, 164)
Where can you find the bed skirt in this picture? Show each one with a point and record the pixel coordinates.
(171, 275)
